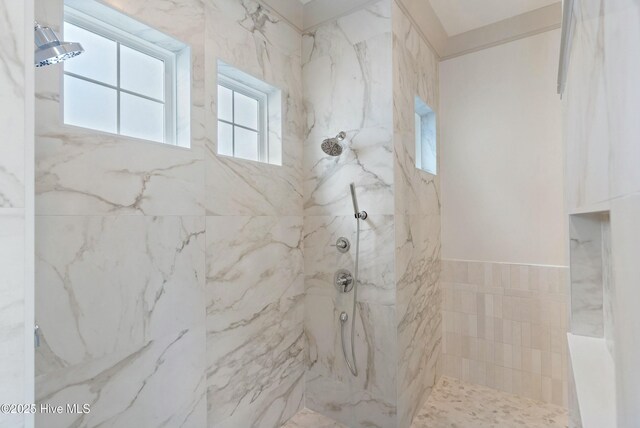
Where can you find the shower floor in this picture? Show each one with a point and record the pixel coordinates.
(461, 405)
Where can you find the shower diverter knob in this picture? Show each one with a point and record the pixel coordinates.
(343, 280)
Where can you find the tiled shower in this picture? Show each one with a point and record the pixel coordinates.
(170, 285)
(361, 73)
(171, 266)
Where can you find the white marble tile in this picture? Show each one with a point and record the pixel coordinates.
(609, 287)
(415, 73)
(255, 341)
(322, 258)
(257, 42)
(375, 315)
(417, 223)
(587, 287)
(375, 344)
(347, 87)
(83, 172)
(586, 117)
(12, 316)
(347, 82)
(353, 408)
(306, 418)
(418, 310)
(12, 102)
(625, 241)
(105, 284)
(601, 134)
(159, 383)
(618, 35)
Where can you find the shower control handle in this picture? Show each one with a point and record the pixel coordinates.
(342, 244)
(343, 281)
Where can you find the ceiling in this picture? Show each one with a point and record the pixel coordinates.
(460, 16)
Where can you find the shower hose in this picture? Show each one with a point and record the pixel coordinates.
(344, 317)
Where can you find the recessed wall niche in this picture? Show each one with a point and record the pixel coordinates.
(591, 279)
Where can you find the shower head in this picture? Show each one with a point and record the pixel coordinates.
(50, 50)
(332, 146)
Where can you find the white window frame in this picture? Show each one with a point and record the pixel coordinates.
(424, 115)
(263, 115)
(121, 37)
(418, 138)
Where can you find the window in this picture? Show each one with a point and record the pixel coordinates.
(426, 136)
(248, 117)
(123, 84)
(241, 121)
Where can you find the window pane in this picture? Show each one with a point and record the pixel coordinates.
(225, 139)
(99, 60)
(246, 144)
(225, 104)
(90, 105)
(141, 73)
(246, 111)
(141, 118)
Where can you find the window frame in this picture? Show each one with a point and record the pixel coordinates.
(418, 139)
(122, 37)
(427, 118)
(263, 115)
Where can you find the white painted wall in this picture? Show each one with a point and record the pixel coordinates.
(501, 154)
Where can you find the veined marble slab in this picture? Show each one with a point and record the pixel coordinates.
(255, 340)
(12, 317)
(347, 75)
(256, 42)
(84, 172)
(12, 104)
(417, 223)
(159, 383)
(107, 284)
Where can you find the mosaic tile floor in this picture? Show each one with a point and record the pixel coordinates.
(455, 404)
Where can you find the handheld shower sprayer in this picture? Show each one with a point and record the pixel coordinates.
(362, 215)
(344, 317)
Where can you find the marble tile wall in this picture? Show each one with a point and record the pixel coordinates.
(16, 128)
(12, 87)
(350, 71)
(12, 316)
(124, 227)
(417, 223)
(347, 70)
(163, 272)
(247, 36)
(601, 135)
(254, 298)
(505, 327)
(255, 340)
(120, 255)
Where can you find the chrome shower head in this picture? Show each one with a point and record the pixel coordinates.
(50, 50)
(332, 146)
